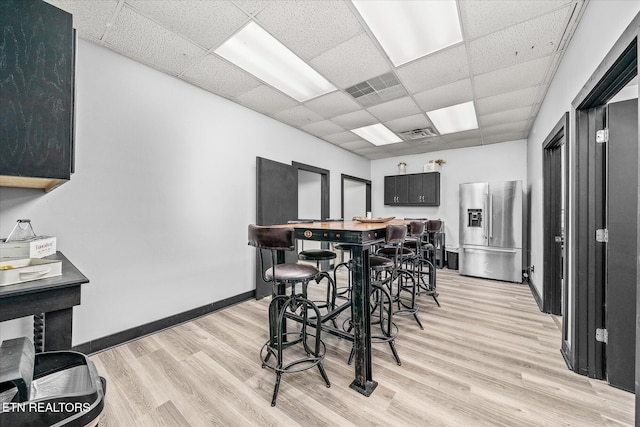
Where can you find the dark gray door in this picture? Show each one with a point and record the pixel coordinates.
(276, 203)
(622, 205)
(553, 220)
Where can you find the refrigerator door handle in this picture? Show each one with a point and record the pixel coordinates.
(490, 218)
(508, 251)
(486, 216)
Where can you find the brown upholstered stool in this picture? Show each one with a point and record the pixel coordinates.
(296, 306)
(405, 281)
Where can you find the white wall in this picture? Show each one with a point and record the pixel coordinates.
(601, 25)
(156, 214)
(506, 161)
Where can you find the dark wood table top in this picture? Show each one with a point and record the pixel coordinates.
(343, 225)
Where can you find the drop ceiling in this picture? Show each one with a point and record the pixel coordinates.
(505, 63)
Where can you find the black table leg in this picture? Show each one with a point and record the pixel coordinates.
(360, 316)
(57, 329)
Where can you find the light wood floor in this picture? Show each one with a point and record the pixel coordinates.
(487, 357)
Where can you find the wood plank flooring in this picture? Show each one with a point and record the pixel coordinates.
(487, 357)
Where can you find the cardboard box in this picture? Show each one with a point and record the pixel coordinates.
(38, 247)
(24, 270)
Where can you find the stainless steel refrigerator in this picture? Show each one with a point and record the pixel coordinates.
(491, 230)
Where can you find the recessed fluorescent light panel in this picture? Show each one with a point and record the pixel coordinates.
(259, 53)
(377, 134)
(407, 30)
(456, 118)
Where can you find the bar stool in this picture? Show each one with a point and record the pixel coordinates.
(427, 259)
(282, 307)
(423, 267)
(404, 257)
(318, 256)
(344, 291)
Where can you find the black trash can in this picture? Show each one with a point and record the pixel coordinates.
(452, 258)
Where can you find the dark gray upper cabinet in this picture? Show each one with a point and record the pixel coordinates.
(396, 190)
(420, 189)
(37, 85)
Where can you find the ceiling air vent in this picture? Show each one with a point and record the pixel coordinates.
(411, 135)
(377, 90)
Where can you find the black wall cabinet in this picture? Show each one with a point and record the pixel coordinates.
(37, 105)
(396, 190)
(420, 189)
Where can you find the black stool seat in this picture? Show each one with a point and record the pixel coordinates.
(380, 262)
(391, 252)
(292, 272)
(316, 255)
(344, 246)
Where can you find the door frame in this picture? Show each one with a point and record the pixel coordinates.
(367, 183)
(325, 176)
(584, 355)
(552, 290)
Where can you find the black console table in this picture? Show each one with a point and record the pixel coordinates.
(53, 296)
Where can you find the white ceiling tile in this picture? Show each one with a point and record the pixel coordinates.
(206, 75)
(483, 17)
(406, 150)
(357, 145)
(506, 101)
(206, 23)
(512, 78)
(342, 138)
(459, 136)
(91, 19)
(519, 43)
(371, 151)
(445, 96)
(505, 128)
(395, 109)
(251, 7)
(325, 127)
(144, 40)
(375, 156)
(434, 70)
(355, 120)
(351, 62)
(553, 66)
(333, 104)
(508, 116)
(298, 116)
(505, 137)
(417, 121)
(266, 100)
(463, 143)
(309, 28)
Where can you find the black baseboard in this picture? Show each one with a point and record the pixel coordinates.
(118, 338)
(536, 295)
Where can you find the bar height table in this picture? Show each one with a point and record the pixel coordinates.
(363, 236)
